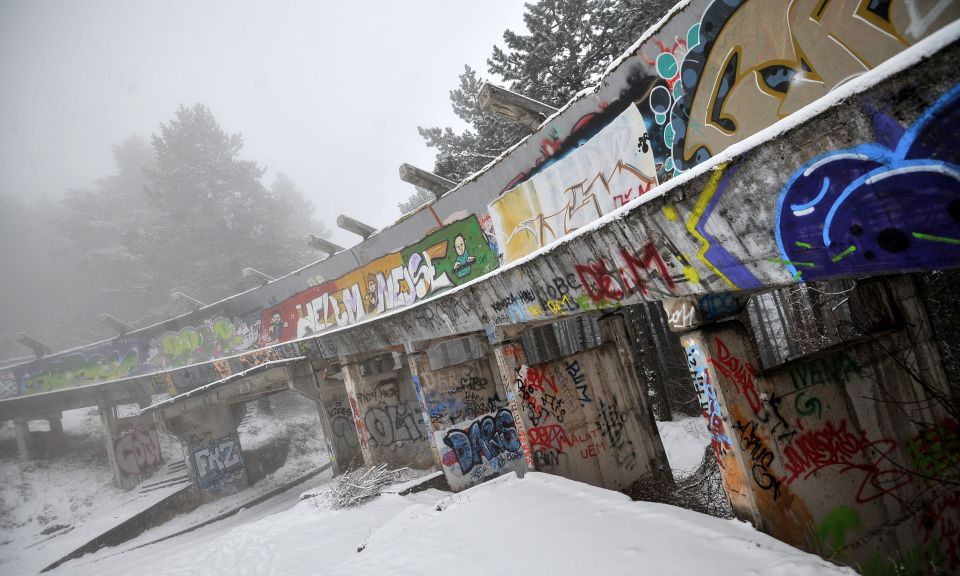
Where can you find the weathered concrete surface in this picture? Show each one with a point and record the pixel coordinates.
(841, 453)
(455, 239)
(133, 447)
(386, 412)
(472, 430)
(585, 415)
(212, 445)
(339, 428)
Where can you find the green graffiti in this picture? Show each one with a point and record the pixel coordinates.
(833, 530)
(936, 449)
(78, 370)
(215, 339)
(835, 370)
(458, 250)
(922, 560)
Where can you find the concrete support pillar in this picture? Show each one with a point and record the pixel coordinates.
(24, 444)
(56, 438)
(108, 421)
(829, 452)
(214, 456)
(339, 426)
(386, 412)
(473, 432)
(584, 416)
(56, 425)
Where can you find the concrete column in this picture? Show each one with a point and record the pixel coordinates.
(386, 412)
(108, 421)
(24, 444)
(56, 425)
(584, 416)
(834, 452)
(56, 438)
(212, 445)
(473, 433)
(339, 426)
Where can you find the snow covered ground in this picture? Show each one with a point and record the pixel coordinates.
(535, 525)
(53, 505)
(541, 524)
(684, 441)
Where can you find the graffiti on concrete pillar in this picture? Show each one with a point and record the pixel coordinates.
(138, 452)
(218, 463)
(486, 447)
(392, 423)
(709, 403)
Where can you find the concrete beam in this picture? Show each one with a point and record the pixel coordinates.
(426, 180)
(514, 106)
(355, 226)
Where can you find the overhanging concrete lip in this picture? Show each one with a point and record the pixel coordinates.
(216, 384)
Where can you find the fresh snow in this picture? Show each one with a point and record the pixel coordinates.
(684, 441)
(540, 524)
(74, 489)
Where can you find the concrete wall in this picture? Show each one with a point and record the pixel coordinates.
(339, 429)
(473, 433)
(669, 79)
(212, 448)
(839, 452)
(387, 413)
(586, 415)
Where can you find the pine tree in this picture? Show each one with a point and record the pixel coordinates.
(568, 46)
(216, 217)
(570, 43)
(419, 198)
(460, 155)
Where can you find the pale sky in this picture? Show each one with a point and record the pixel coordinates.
(331, 93)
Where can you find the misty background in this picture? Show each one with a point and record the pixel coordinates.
(147, 148)
(327, 97)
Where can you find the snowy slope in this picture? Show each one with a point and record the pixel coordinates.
(541, 524)
(52, 506)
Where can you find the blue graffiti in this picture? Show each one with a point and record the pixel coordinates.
(876, 208)
(489, 437)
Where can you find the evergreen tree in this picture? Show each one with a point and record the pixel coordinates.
(568, 46)
(216, 217)
(570, 43)
(419, 198)
(460, 155)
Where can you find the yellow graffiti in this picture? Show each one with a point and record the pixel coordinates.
(698, 209)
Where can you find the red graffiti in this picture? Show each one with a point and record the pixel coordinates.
(553, 437)
(940, 523)
(649, 256)
(835, 445)
(603, 282)
(361, 429)
(740, 372)
(537, 377)
(598, 281)
(621, 199)
(138, 452)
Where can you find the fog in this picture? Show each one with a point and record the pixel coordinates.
(330, 93)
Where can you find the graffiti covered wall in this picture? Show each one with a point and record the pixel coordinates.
(473, 433)
(387, 415)
(611, 169)
(138, 454)
(584, 417)
(701, 82)
(811, 456)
